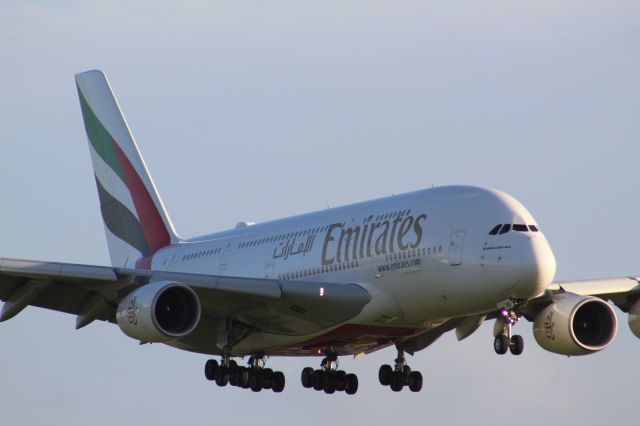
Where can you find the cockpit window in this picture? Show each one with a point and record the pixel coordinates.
(517, 227)
(494, 231)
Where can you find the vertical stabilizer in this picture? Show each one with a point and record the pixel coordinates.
(135, 220)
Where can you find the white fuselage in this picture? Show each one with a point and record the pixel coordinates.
(424, 256)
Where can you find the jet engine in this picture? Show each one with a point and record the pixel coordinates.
(575, 325)
(159, 312)
(634, 319)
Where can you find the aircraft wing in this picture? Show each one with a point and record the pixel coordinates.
(93, 293)
(622, 291)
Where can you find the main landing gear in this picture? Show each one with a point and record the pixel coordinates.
(254, 376)
(505, 340)
(401, 375)
(328, 378)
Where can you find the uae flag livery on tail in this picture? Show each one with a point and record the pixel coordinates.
(135, 220)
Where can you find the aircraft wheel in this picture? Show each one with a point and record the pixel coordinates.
(267, 378)
(305, 377)
(351, 384)
(516, 345)
(415, 381)
(317, 380)
(341, 382)
(501, 344)
(278, 382)
(222, 376)
(406, 371)
(210, 368)
(243, 377)
(255, 379)
(384, 375)
(234, 377)
(397, 381)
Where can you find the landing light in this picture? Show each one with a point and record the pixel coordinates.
(321, 291)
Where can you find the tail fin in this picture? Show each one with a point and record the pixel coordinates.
(135, 220)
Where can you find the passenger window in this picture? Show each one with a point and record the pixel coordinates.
(520, 228)
(495, 230)
(505, 228)
(533, 228)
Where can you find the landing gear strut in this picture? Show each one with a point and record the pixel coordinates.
(505, 340)
(329, 378)
(401, 375)
(254, 376)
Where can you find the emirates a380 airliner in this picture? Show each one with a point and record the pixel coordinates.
(401, 271)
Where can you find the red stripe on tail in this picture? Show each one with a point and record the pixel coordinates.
(153, 227)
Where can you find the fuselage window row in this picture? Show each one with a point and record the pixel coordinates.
(199, 254)
(355, 263)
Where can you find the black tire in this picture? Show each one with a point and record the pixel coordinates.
(305, 377)
(243, 377)
(351, 384)
(210, 368)
(341, 382)
(384, 375)
(501, 344)
(267, 378)
(415, 381)
(516, 345)
(222, 376)
(317, 380)
(233, 365)
(278, 382)
(397, 381)
(234, 378)
(405, 373)
(326, 379)
(256, 379)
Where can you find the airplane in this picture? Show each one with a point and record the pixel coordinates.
(397, 271)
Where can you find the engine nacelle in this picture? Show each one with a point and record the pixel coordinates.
(159, 312)
(634, 319)
(575, 325)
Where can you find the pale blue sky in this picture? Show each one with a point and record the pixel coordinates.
(261, 109)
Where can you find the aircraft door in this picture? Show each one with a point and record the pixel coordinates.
(455, 248)
(270, 270)
(172, 263)
(224, 260)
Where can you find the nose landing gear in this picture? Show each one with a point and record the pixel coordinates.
(504, 339)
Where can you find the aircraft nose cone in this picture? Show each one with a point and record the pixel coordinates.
(535, 267)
